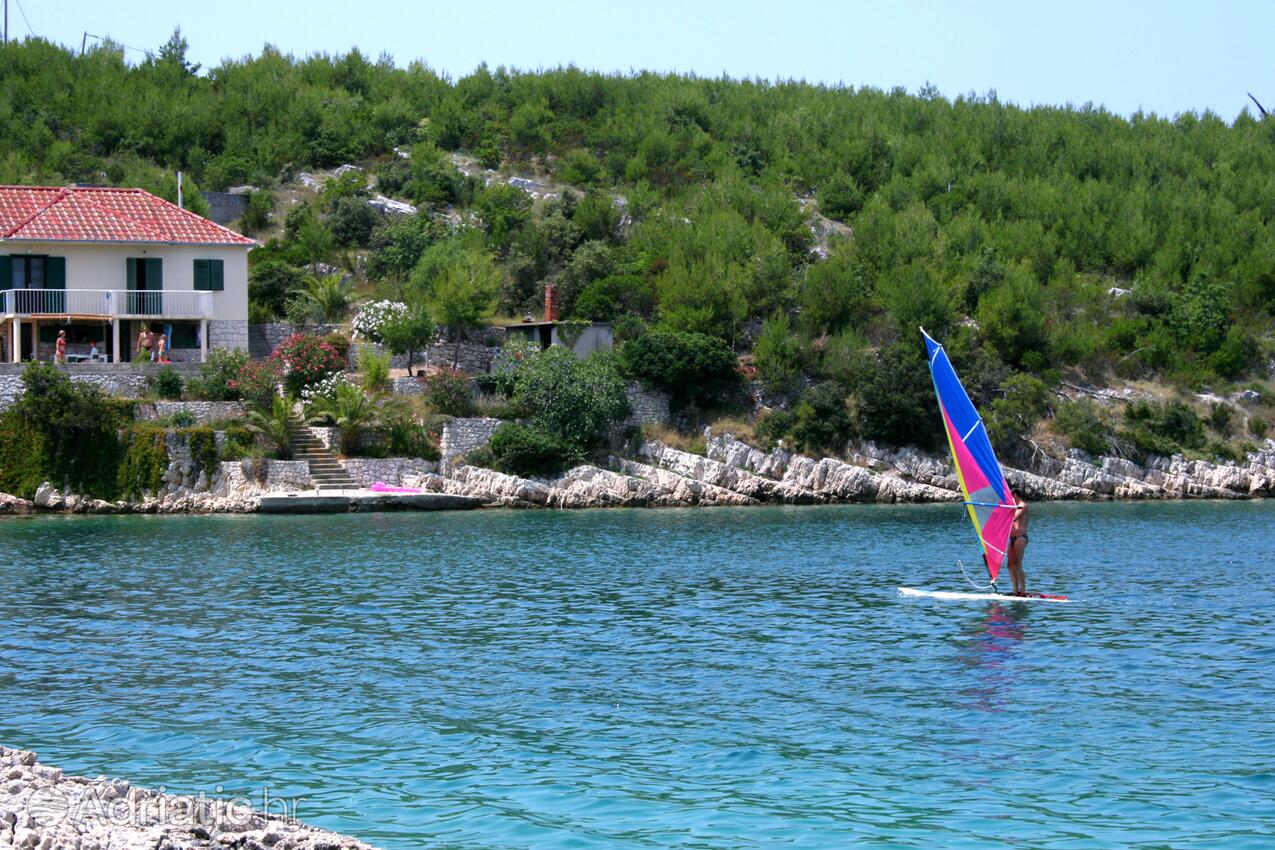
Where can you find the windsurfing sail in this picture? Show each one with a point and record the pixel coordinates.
(987, 495)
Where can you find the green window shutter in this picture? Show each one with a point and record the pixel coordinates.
(217, 278)
(6, 272)
(154, 273)
(201, 275)
(55, 272)
(132, 273)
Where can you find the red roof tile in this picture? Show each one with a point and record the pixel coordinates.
(92, 214)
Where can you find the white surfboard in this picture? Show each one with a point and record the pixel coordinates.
(999, 597)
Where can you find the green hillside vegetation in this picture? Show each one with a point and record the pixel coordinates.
(714, 207)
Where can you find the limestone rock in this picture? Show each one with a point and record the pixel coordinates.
(10, 504)
(47, 496)
(45, 810)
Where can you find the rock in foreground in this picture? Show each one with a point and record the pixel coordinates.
(42, 809)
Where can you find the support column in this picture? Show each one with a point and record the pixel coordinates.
(115, 341)
(17, 340)
(203, 340)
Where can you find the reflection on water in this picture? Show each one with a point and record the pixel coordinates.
(987, 649)
(633, 679)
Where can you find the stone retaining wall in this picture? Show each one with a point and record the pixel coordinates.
(474, 358)
(647, 407)
(124, 382)
(395, 471)
(262, 476)
(229, 334)
(408, 386)
(200, 411)
(463, 435)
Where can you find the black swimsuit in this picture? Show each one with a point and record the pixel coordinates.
(1014, 537)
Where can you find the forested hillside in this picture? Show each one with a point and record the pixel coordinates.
(1040, 244)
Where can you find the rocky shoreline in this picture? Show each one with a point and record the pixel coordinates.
(730, 473)
(41, 808)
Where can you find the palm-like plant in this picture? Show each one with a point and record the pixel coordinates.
(327, 296)
(349, 409)
(272, 423)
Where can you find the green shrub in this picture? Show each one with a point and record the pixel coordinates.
(1085, 425)
(840, 197)
(376, 370)
(144, 462)
(777, 355)
(352, 220)
(404, 435)
(1236, 356)
(203, 448)
(497, 384)
(271, 284)
(895, 399)
(773, 427)
(392, 176)
(1164, 427)
(529, 451)
(692, 368)
(447, 391)
(219, 375)
(1257, 426)
(168, 384)
(1012, 416)
(574, 400)
(340, 343)
(240, 443)
(257, 214)
(821, 421)
(1012, 318)
(1222, 451)
(23, 455)
(1219, 418)
(63, 432)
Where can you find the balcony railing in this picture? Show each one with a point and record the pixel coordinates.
(114, 303)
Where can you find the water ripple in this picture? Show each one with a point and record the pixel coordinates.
(635, 679)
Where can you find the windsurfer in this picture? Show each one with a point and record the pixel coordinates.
(1018, 546)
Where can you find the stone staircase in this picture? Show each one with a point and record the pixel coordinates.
(326, 471)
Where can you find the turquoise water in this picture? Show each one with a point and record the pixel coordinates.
(705, 678)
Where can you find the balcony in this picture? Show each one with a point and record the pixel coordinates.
(106, 303)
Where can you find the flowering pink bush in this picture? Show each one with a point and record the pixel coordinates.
(304, 359)
(256, 383)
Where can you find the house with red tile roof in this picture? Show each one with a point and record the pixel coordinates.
(115, 268)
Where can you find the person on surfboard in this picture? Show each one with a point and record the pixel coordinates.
(1018, 546)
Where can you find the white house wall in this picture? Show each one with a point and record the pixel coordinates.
(105, 267)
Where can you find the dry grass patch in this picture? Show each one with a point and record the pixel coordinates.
(669, 436)
(742, 429)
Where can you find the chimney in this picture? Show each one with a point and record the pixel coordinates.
(551, 302)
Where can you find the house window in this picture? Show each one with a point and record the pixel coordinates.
(184, 336)
(210, 275)
(28, 272)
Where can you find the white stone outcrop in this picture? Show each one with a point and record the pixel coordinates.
(803, 479)
(41, 808)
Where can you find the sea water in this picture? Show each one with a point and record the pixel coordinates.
(710, 678)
